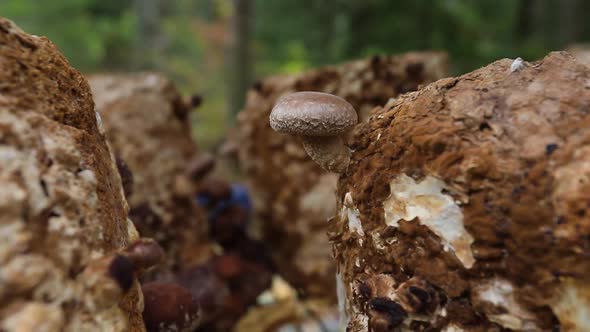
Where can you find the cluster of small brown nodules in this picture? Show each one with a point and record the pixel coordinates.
(241, 272)
(220, 288)
(465, 204)
(293, 194)
(388, 306)
(242, 281)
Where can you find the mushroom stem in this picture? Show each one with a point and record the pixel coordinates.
(330, 152)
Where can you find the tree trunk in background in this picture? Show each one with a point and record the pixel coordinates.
(537, 27)
(148, 34)
(526, 20)
(569, 24)
(239, 56)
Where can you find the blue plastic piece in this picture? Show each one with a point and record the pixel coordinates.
(239, 196)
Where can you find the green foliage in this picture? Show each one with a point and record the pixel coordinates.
(289, 36)
(90, 32)
(292, 35)
(473, 32)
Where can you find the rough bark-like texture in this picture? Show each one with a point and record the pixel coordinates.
(62, 210)
(292, 194)
(146, 123)
(465, 206)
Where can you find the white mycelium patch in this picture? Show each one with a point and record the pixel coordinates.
(434, 209)
(572, 306)
(499, 293)
(352, 214)
(517, 65)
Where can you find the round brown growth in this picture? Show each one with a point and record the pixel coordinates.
(61, 201)
(310, 113)
(294, 196)
(472, 195)
(169, 307)
(320, 120)
(144, 254)
(139, 115)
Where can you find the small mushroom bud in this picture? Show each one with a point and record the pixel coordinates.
(115, 267)
(144, 254)
(320, 119)
(107, 279)
(385, 315)
(121, 270)
(169, 307)
(418, 296)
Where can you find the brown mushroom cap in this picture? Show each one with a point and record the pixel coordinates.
(144, 253)
(169, 307)
(310, 113)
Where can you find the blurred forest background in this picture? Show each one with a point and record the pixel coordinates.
(216, 48)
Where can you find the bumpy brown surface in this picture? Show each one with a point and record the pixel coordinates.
(293, 196)
(147, 126)
(61, 201)
(512, 149)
